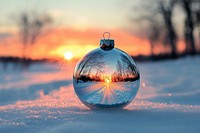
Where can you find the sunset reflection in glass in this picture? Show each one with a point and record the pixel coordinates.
(106, 79)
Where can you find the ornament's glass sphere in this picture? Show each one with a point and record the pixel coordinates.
(106, 77)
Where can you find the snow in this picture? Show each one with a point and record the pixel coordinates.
(42, 100)
(113, 94)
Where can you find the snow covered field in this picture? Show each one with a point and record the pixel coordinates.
(42, 100)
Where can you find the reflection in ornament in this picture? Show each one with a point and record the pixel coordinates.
(106, 77)
(107, 80)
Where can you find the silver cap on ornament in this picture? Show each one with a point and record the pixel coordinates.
(107, 44)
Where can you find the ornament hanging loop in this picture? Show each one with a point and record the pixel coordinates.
(108, 33)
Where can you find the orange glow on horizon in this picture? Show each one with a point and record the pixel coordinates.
(74, 47)
(55, 43)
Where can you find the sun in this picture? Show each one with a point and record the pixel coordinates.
(68, 55)
(107, 80)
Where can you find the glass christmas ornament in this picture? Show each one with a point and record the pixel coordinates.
(106, 77)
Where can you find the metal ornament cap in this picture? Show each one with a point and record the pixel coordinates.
(107, 44)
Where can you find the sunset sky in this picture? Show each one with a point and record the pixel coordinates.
(77, 27)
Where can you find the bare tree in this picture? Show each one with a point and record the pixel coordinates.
(31, 26)
(149, 23)
(171, 37)
(119, 70)
(197, 17)
(159, 24)
(91, 61)
(189, 26)
(155, 31)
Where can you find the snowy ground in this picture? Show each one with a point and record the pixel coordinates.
(42, 100)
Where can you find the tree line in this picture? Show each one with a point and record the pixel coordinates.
(157, 17)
